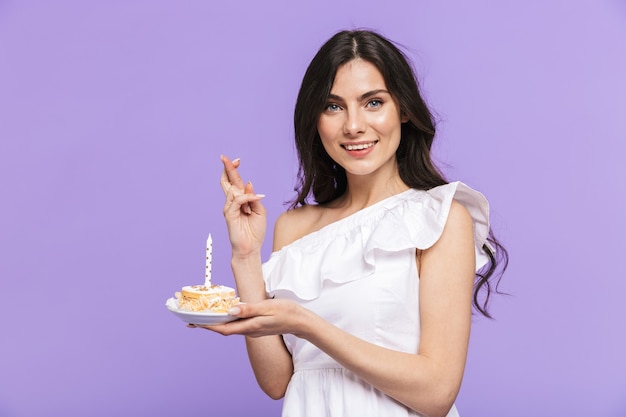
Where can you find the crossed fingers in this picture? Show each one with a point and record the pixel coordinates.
(232, 184)
(230, 175)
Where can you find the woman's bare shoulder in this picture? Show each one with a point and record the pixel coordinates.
(294, 224)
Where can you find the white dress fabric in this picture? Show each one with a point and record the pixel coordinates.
(360, 274)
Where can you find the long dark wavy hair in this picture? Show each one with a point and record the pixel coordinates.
(320, 178)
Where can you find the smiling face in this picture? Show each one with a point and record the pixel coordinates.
(361, 123)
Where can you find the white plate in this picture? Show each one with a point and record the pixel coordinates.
(197, 317)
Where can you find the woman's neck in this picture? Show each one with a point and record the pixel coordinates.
(363, 191)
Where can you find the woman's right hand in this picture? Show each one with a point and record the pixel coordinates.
(245, 215)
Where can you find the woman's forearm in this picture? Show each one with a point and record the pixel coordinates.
(269, 358)
(422, 383)
(248, 273)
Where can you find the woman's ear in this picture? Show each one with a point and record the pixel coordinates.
(404, 118)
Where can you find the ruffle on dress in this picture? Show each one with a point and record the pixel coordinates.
(344, 251)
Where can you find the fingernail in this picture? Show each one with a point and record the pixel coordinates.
(260, 195)
(247, 209)
(234, 161)
(234, 311)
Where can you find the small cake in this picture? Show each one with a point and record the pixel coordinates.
(214, 298)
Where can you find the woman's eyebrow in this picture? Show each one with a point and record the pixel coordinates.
(334, 97)
(362, 96)
(373, 93)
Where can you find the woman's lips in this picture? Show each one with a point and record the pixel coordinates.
(358, 146)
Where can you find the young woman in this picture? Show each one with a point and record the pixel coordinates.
(364, 307)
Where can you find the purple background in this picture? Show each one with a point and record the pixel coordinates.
(112, 119)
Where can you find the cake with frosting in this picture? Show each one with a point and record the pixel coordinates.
(214, 298)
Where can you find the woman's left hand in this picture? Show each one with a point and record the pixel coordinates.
(265, 318)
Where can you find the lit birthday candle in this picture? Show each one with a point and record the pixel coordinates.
(209, 260)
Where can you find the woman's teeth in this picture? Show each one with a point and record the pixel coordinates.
(360, 146)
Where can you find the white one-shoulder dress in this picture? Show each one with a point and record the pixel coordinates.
(360, 274)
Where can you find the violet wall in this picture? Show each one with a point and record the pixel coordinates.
(112, 119)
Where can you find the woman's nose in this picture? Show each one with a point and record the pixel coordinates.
(355, 123)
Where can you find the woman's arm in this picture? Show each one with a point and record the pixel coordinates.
(245, 218)
(428, 381)
(269, 358)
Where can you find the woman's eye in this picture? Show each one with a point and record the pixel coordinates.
(374, 104)
(332, 107)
